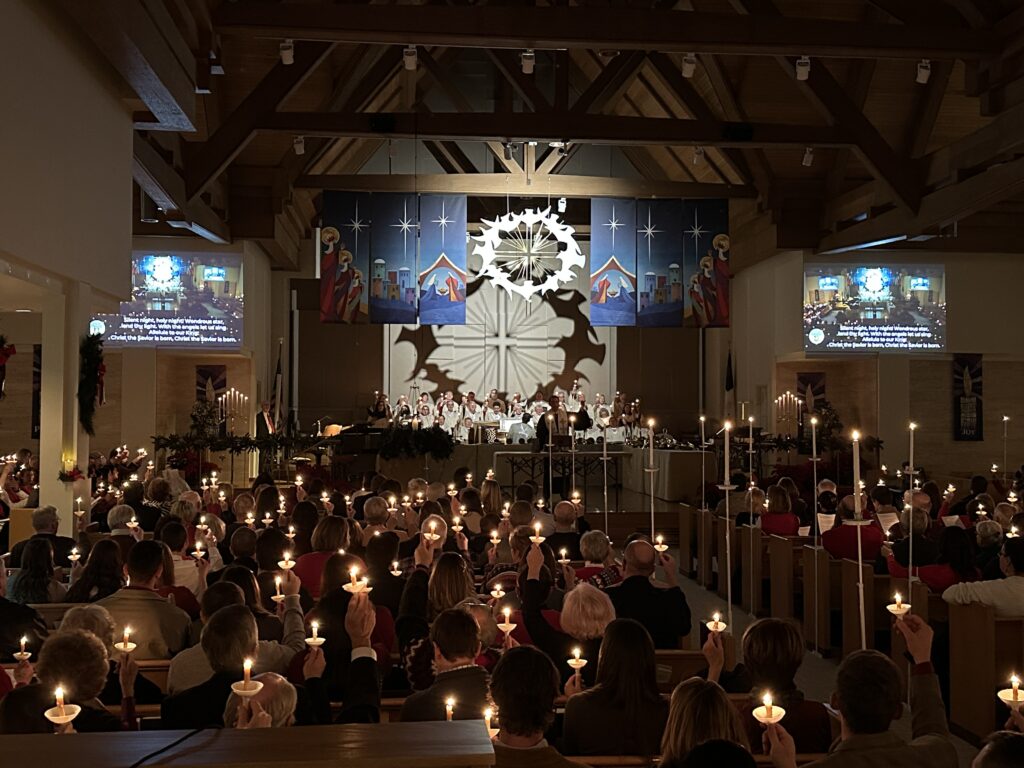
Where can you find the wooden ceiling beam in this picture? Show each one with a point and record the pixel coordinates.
(926, 110)
(145, 47)
(551, 126)
(500, 184)
(594, 28)
(510, 68)
(613, 79)
(213, 156)
(858, 84)
(939, 208)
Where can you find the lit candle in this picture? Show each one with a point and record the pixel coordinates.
(1015, 682)
(727, 427)
(899, 601)
(127, 636)
(199, 549)
(494, 538)
(488, 714)
(536, 529)
(246, 672)
(433, 531)
(315, 626)
(353, 574)
(24, 641)
(394, 568)
(508, 614)
(913, 428)
(856, 474)
(576, 653)
(59, 694)
(277, 585)
(564, 553)
(767, 701)
(650, 426)
(449, 708)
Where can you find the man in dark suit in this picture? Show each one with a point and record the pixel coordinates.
(265, 427)
(664, 612)
(45, 521)
(455, 638)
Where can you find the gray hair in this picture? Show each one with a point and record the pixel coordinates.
(184, 510)
(279, 702)
(916, 519)
(594, 546)
(119, 516)
(44, 518)
(94, 619)
(375, 510)
(989, 532)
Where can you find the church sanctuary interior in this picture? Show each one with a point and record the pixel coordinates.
(423, 384)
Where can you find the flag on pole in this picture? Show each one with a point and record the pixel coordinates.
(278, 388)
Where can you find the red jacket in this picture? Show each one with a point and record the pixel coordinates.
(782, 524)
(841, 542)
(938, 578)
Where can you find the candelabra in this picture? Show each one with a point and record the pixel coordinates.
(231, 406)
(788, 412)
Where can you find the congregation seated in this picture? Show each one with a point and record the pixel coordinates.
(954, 565)
(751, 509)
(623, 713)
(102, 575)
(125, 537)
(242, 546)
(662, 611)
(160, 629)
(37, 579)
(699, 712)
(45, 522)
(915, 523)
(268, 624)
(565, 540)
(841, 541)
(1005, 596)
(988, 543)
(330, 535)
(380, 555)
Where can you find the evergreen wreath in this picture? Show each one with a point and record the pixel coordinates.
(90, 353)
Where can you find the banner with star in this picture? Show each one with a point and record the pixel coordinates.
(345, 258)
(612, 262)
(442, 277)
(394, 230)
(706, 263)
(659, 253)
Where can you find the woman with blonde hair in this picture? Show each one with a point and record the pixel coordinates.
(450, 583)
(331, 536)
(490, 498)
(699, 711)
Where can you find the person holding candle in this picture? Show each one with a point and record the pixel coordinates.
(699, 712)
(455, 640)
(623, 714)
(564, 534)
(381, 553)
(1005, 596)
(189, 570)
(841, 541)
(778, 518)
(663, 612)
(18, 621)
(270, 548)
(76, 661)
(524, 686)
(955, 563)
(329, 535)
(36, 581)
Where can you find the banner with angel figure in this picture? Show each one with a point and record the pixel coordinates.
(344, 258)
(442, 277)
(706, 263)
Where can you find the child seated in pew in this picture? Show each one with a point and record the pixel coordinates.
(773, 650)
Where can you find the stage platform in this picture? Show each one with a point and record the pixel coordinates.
(678, 478)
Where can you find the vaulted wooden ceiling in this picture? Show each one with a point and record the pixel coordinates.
(936, 164)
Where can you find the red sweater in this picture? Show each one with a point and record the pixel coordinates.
(309, 568)
(782, 524)
(841, 542)
(938, 578)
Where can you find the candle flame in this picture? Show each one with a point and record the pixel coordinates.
(247, 665)
(576, 653)
(855, 435)
(767, 700)
(1014, 680)
(727, 426)
(716, 617)
(508, 612)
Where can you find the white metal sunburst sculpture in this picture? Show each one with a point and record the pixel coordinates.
(528, 253)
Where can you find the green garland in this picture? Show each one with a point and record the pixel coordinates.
(413, 443)
(90, 353)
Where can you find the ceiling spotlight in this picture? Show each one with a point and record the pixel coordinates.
(924, 71)
(698, 155)
(299, 145)
(803, 67)
(561, 204)
(287, 51)
(147, 209)
(527, 59)
(507, 146)
(532, 143)
(689, 65)
(808, 160)
(409, 57)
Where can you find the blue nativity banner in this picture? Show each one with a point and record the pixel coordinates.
(345, 257)
(659, 254)
(612, 261)
(442, 279)
(706, 262)
(392, 274)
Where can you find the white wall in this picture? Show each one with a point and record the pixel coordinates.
(65, 153)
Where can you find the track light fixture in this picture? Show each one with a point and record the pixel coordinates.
(410, 58)
(689, 65)
(698, 155)
(507, 146)
(147, 209)
(808, 160)
(287, 51)
(924, 71)
(562, 203)
(803, 68)
(299, 145)
(527, 60)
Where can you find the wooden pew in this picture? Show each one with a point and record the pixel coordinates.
(705, 547)
(817, 621)
(984, 651)
(676, 666)
(786, 568)
(630, 761)
(751, 568)
(926, 604)
(876, 597)
(53, 613)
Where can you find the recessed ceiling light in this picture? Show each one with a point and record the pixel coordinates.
(23, 310)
